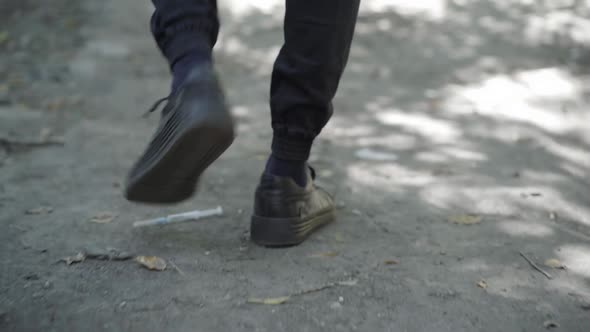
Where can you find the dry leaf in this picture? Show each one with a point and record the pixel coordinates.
(482, 284)
(3, 37)
(78, 258)
(270, 301)
(103, 218)
(151, 262)
(554, 264)
(465, 219)
(391, 262)
(40, 210)
(324, 254)
(550, 324)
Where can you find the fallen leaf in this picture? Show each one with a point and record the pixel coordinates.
(40, 210)
(152, 262)
(270, 301)
(550, 324)
(391, 262)
(465, 219)
(554, 264)
(324, 254)
(553, 216)
(78, 258)
(338, 237)
(103, 218)
(482, 284)
(3, 37)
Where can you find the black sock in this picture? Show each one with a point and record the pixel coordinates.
(295, 169)
(182, 67)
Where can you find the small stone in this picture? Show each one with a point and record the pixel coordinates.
(37, 295)
(47, 284)
(340, 299)
(336, 305)
(122, 304)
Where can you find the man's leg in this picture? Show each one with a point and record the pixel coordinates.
(185, 31)
(196, 126)
(318, 34)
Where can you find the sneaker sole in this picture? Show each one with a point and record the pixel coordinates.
(286, 232)
(172, 173)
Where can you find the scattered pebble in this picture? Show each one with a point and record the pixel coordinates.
(482, 284)
(336, 305)
(153, 263)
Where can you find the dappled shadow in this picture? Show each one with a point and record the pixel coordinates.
(483, 113)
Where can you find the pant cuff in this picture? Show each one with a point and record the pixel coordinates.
(291, 148)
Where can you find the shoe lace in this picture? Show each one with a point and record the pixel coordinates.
(155, 106)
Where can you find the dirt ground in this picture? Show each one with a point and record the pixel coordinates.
(459, 146)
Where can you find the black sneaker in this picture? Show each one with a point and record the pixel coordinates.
(195, 129)
(285, 214)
